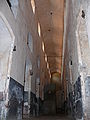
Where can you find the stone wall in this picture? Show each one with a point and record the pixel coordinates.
(22, 20)
(77, 55)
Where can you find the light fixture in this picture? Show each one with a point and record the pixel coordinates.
(14, 49)
(83, 14)
(33, 6)
(39, 30)
(31, 72)
(50, 75)
(43, 47)
(45, 57)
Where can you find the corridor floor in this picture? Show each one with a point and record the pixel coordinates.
(51, 118)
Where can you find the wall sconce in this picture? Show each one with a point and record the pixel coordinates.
(31, 72)
(14, 49)
(83, 14)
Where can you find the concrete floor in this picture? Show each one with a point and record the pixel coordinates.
(51, 118)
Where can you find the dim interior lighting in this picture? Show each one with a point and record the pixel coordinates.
(33, 5)
(39, 30)
(45, 57)
(43, 47)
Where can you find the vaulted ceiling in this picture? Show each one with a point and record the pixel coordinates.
(50, 14)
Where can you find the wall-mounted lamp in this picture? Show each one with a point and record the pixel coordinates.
(31, 72)
(14, 49)
(83, 14)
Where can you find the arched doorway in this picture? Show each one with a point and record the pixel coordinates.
(56, 79)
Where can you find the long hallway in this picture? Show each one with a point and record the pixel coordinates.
(44, 59)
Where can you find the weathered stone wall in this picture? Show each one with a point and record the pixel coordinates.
(77, 56)
(22, 20)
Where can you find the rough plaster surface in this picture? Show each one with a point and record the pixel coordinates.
(77, 48)
(21, 23)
